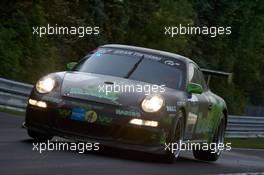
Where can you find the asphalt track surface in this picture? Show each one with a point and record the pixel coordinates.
(17, 157)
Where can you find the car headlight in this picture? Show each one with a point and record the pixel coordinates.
(45, 85)
(152, 103)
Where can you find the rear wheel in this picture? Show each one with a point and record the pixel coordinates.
(37, 136)
(177, 138)
(214, 153)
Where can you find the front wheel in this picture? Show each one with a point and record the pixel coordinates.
(214, 153)
(177, 138)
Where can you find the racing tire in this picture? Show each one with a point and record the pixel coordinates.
(212, 154)
(177, 137)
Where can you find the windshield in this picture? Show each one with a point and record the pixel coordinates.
(137, 68)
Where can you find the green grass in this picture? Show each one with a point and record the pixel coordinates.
(12, 111)
(255, 143)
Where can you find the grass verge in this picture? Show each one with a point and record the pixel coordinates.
(254, 143)
(12, 111)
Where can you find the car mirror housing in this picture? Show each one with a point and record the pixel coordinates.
(70, 66)
(194, 88)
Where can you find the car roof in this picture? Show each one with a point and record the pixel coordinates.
(146, 50)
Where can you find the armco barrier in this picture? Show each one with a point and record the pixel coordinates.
(245, 127)
(15, 94)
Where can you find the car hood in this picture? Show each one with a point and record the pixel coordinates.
(89, 86)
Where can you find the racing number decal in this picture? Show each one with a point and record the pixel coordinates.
(90, 116)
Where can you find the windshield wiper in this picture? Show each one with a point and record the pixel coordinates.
(134, 68)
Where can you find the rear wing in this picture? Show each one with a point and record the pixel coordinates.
(210, 73)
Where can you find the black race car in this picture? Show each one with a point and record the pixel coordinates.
(129, 97)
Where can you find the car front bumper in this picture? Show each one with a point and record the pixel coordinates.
(111, 130)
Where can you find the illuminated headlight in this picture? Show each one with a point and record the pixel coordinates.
(33, 102)
(152, 103)
(136, 121)
(45, 85)
(40, 104)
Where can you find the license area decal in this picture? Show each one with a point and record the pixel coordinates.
(78, 114)
(81, 114)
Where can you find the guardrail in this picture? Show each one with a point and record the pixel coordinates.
(245, 127)
(15, 94)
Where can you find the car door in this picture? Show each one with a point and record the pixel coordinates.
(197, 116)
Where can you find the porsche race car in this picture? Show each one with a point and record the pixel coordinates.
(129, 97)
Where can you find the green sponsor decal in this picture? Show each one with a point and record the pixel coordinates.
(64, 113)
(94, 91)
(51, 99)
(172, 115)
(163, 137)
(202, 125)
(207, 126)
(128, 113)
(166, 121)
(104, 120)
(86, 106)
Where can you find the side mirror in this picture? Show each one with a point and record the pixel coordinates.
(70, 66)
(194, 88)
